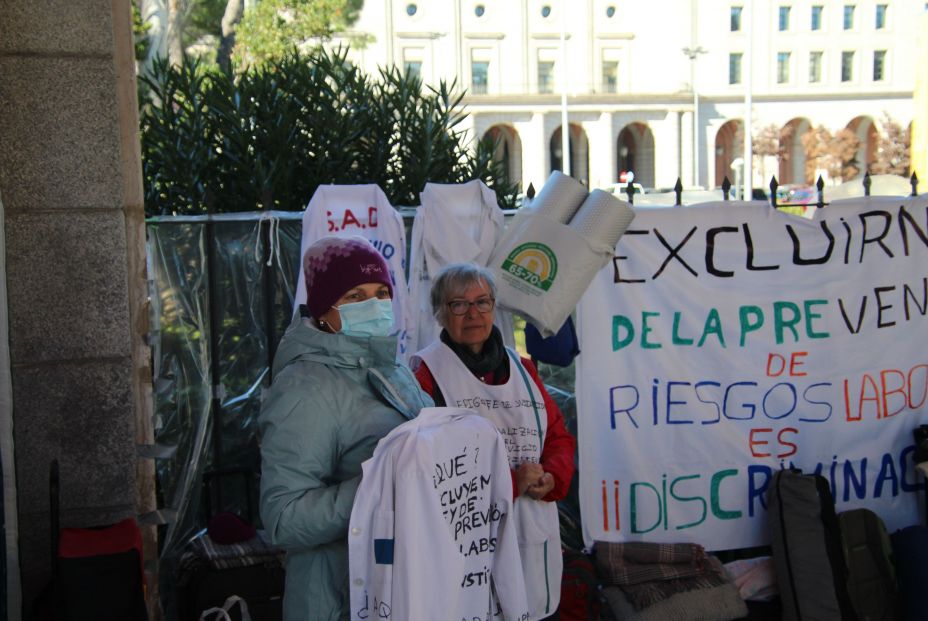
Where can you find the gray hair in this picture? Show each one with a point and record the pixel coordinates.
(452, 280)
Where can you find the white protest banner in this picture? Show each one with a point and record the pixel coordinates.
(729, 340)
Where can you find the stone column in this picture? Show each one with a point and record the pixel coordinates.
(668, 149)
(602, 151)
(534, 151)
(70, 178)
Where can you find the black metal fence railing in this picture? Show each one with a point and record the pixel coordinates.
(820, 187)
(726, 188)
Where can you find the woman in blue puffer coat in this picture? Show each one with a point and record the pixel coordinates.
(337, 390)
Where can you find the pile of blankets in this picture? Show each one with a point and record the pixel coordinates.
(203, 552)
(666, 582)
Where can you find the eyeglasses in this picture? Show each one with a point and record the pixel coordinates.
(460, 307)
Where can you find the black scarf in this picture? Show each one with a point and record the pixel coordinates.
(492, 356)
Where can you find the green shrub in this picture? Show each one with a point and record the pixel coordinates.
(267, 137)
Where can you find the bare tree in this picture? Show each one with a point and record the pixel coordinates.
(165, 20)
(843, 154)
(835, 154)
(175, 32)
(177, 28)
(232, 16)
(766, 142)
(892, 153)
(785, 139)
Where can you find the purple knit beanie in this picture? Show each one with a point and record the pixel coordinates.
(334, 265)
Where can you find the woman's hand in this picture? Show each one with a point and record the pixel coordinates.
(533, 481)
(540, 489)
(527, 476)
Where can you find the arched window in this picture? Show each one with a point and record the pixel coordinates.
(508, 150)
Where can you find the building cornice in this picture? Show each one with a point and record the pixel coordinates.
(478, 103)
(807, 97)
(484, 35)
(681, 100)
(420, 35)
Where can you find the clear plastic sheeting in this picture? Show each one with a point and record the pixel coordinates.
(213, 336)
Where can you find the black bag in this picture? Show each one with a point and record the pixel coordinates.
(559, 349)
(910, 549)
(100, 573)
(807, 551)
(261, 586)
(871, 574)
(580, 597)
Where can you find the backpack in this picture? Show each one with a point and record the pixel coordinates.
(807, 551)
(910, 548)
(97, 572)
(871, 573)
(580, 599)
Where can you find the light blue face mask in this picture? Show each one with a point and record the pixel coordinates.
(372, 317)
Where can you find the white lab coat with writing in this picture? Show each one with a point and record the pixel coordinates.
(456, 223)
(431, 534)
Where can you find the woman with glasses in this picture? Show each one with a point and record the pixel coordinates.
(470, 367)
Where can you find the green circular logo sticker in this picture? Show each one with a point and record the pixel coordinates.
(533, 263)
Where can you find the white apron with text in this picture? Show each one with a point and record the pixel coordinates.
(517, 409)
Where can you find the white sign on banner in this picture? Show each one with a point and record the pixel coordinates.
(726, 341)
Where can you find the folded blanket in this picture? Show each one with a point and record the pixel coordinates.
(255, 551)
(643, 552)
(203, 552)
(623, 564)
(647, 594)
(649, 573)
(719, 603)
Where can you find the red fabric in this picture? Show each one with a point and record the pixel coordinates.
(579, 589)
(120, 537)
(115, 539)
(557, 454)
